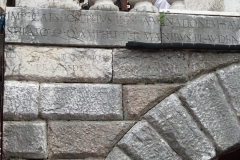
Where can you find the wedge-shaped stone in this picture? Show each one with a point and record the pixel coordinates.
(142, 142)
(230, 80)
(20, 100)
(117, 154)
(138, 99)
(178, 128)
(81, 101)
(205, 99)
(25, 140)
(135, 66)
(58, 64)
(77, 139)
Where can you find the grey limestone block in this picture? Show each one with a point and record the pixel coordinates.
(117, 154)
(145, 66)
(81, 101)
(138, 99)
(143, 142)
(25, 140)
(21, 100)
(230, 79)
(204, 5)
(78, 139)
(205, 99)
(58, 64)
(178, 128)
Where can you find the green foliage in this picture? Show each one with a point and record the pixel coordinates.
(162, 18)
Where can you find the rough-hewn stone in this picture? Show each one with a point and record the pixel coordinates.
(58, 64)
(81, 101)
(204, 5)
(76, 139)
(205, 99)
(135, 66)
(117, 154)
(178, 128)
(178, 5)
(142, 142)
(20, 100)
(25, 139)
(230, 80)
(138, 99)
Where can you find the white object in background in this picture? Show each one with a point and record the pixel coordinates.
(162, 4)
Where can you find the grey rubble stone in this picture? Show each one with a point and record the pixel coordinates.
(204, 5)
(230, 80)
(25, 139)
(205, 99)
(142, 142)
(77, 139)
(81, 101)
(138, 99)
(58, 64)
(20, 100)
(178, 128)
(204, 62)
(135, 66)
(117, 154)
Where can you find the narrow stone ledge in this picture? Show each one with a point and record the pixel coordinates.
(117, 154)
(20, 100)
(81, 101)
(142, 142)
(205, 99)
(178, 128)
(76, 139)
(230, 80)
(133, 66)
(58, 64)
(25, 140)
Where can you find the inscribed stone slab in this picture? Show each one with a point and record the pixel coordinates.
(81, 101)
(58, 64)
(206, 100)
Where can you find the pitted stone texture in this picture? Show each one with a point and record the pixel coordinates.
(178, 128)
(76, 139)
(117, 154)
(81, 101)
(25, 139)
(204, 5)
(135, 66)
(203, 62)
(58, 64)
(232, 6)
(65, 4)
(230, 80)
(142, 142)
(138, 99)
(20, 100)
(206, 101)
(178, 5)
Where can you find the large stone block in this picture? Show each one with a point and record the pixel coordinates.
(117, 154)
(135, 66)
(138, 99)
(178, 128)
(20, 100)
(76, 139)
(58, 64)
(205, 5)
(25, 140)
(81, 101)
(206, 101)
(230, 80)
(142, 142)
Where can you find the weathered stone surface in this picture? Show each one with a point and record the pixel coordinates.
(230, 80)
(205, 5)
(81, 101)
(231, 6)
(178, 128)
(142, 142)
(205, 99)
(69, 4)
(117, 154)
(178, 5)
(76, 139)
(20, 100)
(203, 62)
(97, 28)
(138, 99)
(25, 139)
(58, 64)
(134, 66)
(2, 5)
